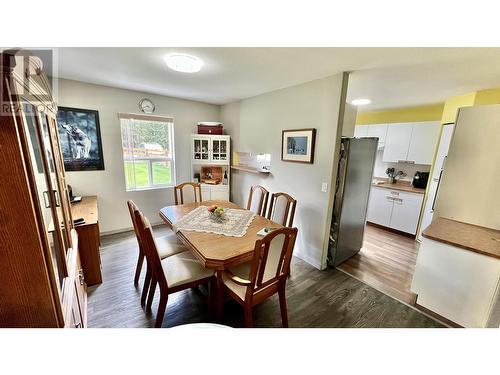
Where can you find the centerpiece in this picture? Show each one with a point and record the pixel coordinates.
(217, 213)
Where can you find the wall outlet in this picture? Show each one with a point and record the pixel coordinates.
(324, 187)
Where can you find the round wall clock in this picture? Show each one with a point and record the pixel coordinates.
(146, 106)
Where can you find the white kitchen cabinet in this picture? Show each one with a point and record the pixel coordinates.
(423, 142)
(397, 142)
(412, 142)
(394, 209)
(378, 131)
(406, 211)
(360, 131)
(210, 149)
(380, 206)
(459, 284)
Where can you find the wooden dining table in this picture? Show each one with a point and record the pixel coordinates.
(216, 251)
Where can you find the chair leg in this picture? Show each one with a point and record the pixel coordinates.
(151, 294)
(211, 295)
(218, 296)
(145, 287)
(162, 307)
(248, 316)
(138, 268)
(284, 313)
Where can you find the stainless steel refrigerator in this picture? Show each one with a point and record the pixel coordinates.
(354, 179)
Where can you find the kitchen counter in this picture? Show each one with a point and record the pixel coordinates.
(467, 236)
(399, 185)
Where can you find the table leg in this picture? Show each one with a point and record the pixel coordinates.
(218, 296)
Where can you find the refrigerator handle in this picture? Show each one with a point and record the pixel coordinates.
(437, 190)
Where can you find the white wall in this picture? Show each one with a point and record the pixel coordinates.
(109, 185)
(256, 124)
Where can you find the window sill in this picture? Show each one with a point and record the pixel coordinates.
(158, 187)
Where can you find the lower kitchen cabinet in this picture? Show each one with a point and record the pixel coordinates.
(214, 192)
(395, 209)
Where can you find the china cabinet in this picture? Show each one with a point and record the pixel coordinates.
(41, 280)
(211, 150)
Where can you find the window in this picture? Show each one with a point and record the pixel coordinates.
(148, 151)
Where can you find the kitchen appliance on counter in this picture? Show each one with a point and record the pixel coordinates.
(420, 180)
(354, 179)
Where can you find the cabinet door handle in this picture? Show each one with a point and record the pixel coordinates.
(80, 276)
(390, 198)
(401, 161)
(394, 193)
(57, 198)
(410, 161)
(46, 199)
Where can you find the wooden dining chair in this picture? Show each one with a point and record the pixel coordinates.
(187, 192)
(167, 245)
(282, 209)
(174, 273)
(257, 200)
(252, 283)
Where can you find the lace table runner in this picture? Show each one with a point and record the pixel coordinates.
(235, 223)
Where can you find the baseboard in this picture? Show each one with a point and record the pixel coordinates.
(123, 230)
(313, 262)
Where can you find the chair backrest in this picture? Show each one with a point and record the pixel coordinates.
(271, 260)
(132, 207)
(150, 249)
(187, 192)
(257, 200)
(282, 209)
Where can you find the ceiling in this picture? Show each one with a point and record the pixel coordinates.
(390, 77)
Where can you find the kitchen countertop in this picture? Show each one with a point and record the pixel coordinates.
(399, 185)
(467, 236)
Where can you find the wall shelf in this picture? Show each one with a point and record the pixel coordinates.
(249, 169)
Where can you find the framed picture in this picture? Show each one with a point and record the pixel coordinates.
(80, 136)
(297, 145)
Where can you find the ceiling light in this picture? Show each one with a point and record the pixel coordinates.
(361, 101)
(181, 62)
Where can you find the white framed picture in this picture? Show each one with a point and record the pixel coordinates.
(297, 145)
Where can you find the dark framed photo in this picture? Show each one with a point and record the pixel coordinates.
(80, 136)
(297, 145)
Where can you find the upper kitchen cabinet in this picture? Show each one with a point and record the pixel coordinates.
(423, 142)
(397, 142)
(411, 142)
(375, 130)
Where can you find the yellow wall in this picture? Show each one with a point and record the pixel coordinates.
(452, 105)
(491, 96)
(431, 112)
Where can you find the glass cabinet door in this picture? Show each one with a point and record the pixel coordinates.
(223, 150)
(215, 149)
(43, 167)
(201, 149)
(67, 221)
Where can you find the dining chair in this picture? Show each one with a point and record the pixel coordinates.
(257, 200)
(253, 282)
(282, 209)
(167, 245)
(187, 192)
(174, 273)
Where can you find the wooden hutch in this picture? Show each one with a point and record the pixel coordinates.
(41, 279)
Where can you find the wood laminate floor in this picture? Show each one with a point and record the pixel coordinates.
(315, 298)
(386, 262)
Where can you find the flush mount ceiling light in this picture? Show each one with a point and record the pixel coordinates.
(361, 101)
(180, 62)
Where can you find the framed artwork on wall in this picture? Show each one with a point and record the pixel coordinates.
(297, 145)
(80, 136)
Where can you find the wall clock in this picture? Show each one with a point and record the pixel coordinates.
(146, 105)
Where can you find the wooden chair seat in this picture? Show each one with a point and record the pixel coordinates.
(183, 268)
(169, 245)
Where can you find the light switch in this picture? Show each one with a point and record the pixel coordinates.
(324, 187)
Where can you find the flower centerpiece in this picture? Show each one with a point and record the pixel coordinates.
(217, 213)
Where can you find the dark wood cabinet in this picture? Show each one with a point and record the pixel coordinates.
(41, 281)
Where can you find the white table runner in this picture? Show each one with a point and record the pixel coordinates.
(235, 224)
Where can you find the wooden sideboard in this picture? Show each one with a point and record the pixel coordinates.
(88, 238)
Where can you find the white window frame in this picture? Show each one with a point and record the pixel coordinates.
(151, 186)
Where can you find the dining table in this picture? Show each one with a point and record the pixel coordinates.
(216, 251)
